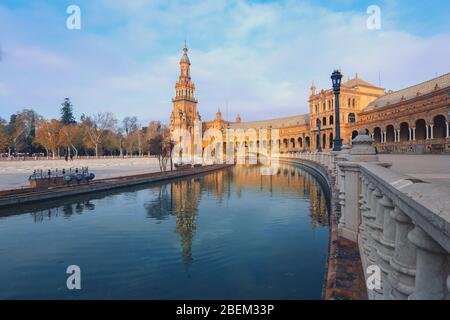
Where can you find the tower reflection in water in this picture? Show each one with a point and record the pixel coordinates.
(181, 198)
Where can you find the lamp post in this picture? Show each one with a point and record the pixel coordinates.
(180, 113)
(336, 77)
(171, 144)
(319, 138)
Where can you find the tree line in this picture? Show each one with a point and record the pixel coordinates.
(28, 133)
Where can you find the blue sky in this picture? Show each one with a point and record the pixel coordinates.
(259, 57)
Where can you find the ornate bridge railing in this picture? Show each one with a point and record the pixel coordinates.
(401, 224)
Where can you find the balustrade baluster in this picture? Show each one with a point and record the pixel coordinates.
(386, 245)
(432, 267)
(403, 263)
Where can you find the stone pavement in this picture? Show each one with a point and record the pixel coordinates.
(430, 168)
(14, 174)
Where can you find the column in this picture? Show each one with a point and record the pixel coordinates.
(403, 263)
(447, 126)
(372, 223)
(410, 134)
(351, 213)
(414, 134)
(431, 131)
(431, 275)
(384, 137)
(386, 246)
(427, 132)
(367, 218)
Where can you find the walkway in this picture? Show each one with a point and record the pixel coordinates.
(14, 174)
(431, 168)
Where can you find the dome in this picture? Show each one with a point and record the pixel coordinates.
(185, 58)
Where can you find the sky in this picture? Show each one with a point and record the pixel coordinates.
(255, 58)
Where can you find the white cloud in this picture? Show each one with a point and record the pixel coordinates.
(261, 58)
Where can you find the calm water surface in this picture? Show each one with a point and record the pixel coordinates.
(232, 234)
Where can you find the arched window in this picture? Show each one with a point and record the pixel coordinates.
(377, 135)
(440, 129)
(349, 102)
(324, 121)
(421, 129)
(351, 118)
(331, 120)
(354, 103)
(390, 133)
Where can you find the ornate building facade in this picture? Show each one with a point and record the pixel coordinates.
(412, 120)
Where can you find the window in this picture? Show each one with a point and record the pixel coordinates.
(351, 118)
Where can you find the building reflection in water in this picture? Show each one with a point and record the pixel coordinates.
(181, 198)
(67, 210)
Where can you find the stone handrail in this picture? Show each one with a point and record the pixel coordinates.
(401, 224)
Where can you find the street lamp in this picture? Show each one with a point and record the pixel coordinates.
(319, 146)
(180, 113)
(336, 77)
(171, 144)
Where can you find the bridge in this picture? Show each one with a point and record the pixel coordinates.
(399, 223)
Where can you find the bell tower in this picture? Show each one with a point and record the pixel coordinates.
(184, 112)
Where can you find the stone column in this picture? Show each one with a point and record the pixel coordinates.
(369, 218)
(427, 131)
(414, 134)
(386, 246)
(431, 131)
(373, 224)
(350, 219)
(403, 263)
(365, 215)
(431, 275)
(448, 133)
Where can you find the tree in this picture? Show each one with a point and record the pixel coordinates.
(130, 124)
(153, 129)
(71, 137)
(131, 139)
(48, 136)
(159, 145)
(95, 128)
(4, 138)
(67, 116)
(22, 129)
(111, 143)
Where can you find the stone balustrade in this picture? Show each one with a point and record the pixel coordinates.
(401, 224)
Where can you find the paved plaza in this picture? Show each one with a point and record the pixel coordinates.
(431, 168)
(14, 174)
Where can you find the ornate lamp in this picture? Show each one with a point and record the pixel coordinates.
(319, 145)
(336, 78)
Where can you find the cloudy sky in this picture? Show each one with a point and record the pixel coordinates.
(257, 57)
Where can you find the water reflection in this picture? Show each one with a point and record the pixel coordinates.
(181, 198)
(211, 236)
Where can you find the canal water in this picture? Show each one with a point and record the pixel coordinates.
(232, 234)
